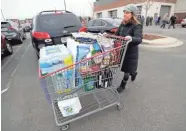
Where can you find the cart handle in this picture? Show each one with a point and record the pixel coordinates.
(115, 36)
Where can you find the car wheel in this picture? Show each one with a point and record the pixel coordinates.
(20, 39)
(183, 26)
(9, 49)
(24, 37)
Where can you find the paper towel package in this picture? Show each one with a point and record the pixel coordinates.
(70, 106)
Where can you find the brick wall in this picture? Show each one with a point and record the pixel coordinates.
(121, 3)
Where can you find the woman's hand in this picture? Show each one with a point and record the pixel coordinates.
(128, 38)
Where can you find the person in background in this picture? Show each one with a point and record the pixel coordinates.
(142, 20)
(155, 20)
(159, 19)
(164, 21)
(131, 29)
(172, 21)
(148, 21)
(151, 19)
(89, 19)
(139, 17)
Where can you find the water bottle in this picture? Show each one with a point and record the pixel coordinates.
(45, 67)
(56, 64)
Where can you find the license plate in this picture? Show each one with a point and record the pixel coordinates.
(64, 39)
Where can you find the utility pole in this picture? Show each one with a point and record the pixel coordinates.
(65, 4)
(2, 14)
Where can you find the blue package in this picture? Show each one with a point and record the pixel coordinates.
(96, 47)
(82, 52)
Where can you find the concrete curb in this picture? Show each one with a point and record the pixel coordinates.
(166, 42)
(178, 43)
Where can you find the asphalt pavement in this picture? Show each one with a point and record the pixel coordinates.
(156, 101)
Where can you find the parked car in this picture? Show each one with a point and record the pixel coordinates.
(53, 27)
(13, 31)
(27, 28)
(101, 25)
(6, 47)
(183, 22)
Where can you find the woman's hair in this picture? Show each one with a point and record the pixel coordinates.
(134, 20)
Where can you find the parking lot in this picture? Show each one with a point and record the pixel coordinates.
(154, 102)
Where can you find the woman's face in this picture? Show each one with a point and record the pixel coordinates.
(127, 16)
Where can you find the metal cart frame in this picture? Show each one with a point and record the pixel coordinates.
(99, 95)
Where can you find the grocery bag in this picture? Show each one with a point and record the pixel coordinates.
(70, 106)
(106, 45)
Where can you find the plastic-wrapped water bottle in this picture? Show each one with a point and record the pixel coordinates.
(45, 66)
(57, 64)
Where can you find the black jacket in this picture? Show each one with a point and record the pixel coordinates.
(130, 62)
(173, 19)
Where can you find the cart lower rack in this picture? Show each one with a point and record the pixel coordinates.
(92, 84)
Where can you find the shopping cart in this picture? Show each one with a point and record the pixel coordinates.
(92, 80)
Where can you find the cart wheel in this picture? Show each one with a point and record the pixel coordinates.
(64, 128)
(119, 106)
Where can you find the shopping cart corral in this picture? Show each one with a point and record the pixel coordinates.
(93, 85)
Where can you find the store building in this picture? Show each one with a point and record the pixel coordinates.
(114, 8)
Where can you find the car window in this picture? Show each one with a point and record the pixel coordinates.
(58, 22)
(5, 25)
(97, 23)
(13, 24)
(90, 23)
(103, 23)
(115, 22)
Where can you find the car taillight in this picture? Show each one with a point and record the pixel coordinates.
(41, 35)
(83, 29)
(114, 30)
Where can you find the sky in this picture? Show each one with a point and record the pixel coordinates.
(21, 9)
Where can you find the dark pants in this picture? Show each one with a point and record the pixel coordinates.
(147, 23)
(158, 23)
(127, 75)
(150, 23)
(172, 24)
(163, 25)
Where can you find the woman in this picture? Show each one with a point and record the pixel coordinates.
(131, 29)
